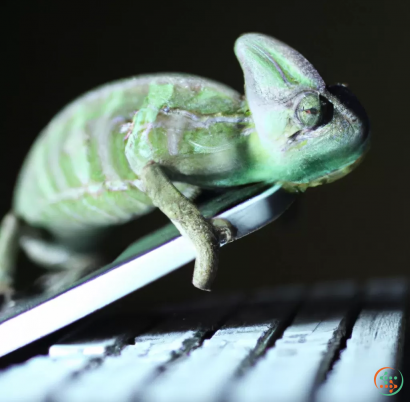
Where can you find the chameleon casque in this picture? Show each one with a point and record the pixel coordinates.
(152, 141)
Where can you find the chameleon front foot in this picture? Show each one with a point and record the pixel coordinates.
(226, 232)
(206, 236)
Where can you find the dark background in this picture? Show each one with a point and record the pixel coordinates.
(355, 228)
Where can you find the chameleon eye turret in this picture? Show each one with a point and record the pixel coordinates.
(150, 141)
(314, 110)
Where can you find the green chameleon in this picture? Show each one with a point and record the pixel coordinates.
(153, 141)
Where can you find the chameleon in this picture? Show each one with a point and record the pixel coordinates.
(156, 140)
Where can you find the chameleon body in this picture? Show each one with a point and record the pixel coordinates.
(126, 147)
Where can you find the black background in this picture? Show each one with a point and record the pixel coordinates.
(52, 51)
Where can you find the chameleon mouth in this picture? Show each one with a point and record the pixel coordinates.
(336, 174)
(328, 178)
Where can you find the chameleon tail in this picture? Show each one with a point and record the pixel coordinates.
(9, 235)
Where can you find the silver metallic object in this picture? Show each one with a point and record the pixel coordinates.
(248, 209)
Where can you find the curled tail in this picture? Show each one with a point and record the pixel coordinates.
(9, 235)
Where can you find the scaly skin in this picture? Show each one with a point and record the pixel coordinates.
(77, 173)
(117, 151)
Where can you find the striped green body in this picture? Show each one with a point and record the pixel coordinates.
(77, 174)
(84, 170)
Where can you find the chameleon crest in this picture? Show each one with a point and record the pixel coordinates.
(308, 133)
(150, 141)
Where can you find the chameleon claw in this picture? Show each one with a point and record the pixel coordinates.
(225, 231)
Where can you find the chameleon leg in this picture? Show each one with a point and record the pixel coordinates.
(183, 213)
(69, 265)
(9, 234)
(188, 220)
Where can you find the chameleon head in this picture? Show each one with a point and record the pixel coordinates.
(307, 133)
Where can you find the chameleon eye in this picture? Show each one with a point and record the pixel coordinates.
(309, 110)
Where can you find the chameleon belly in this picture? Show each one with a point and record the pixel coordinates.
(77, 175)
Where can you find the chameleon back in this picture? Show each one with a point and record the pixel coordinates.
(77, 176)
